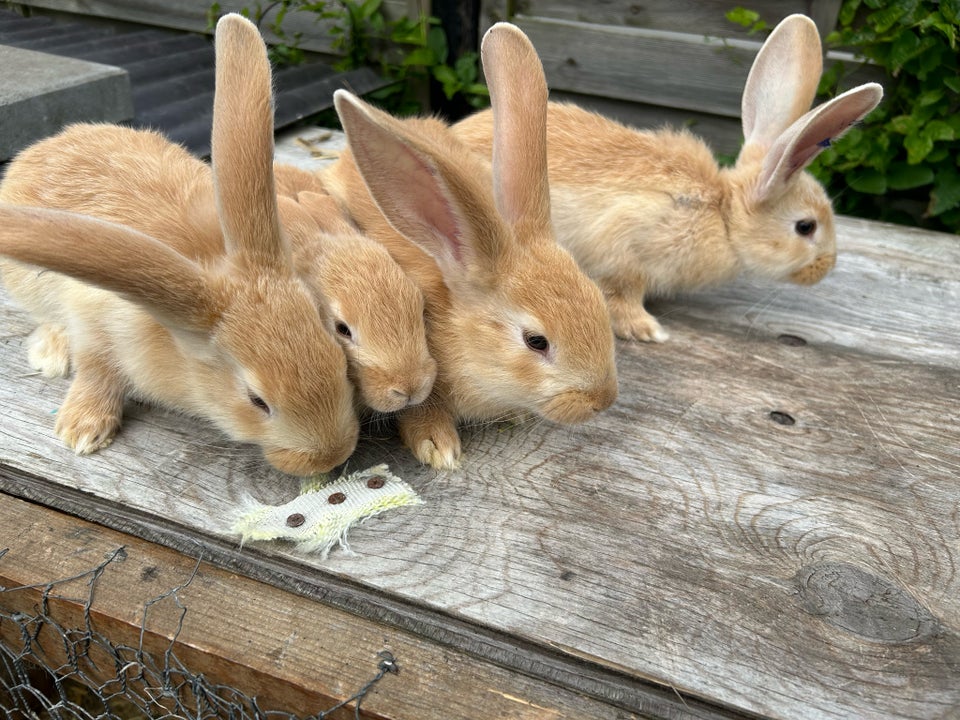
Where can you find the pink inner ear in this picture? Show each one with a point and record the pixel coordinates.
(433, 206)
(782, 82)
(417, 184)
(812, 134)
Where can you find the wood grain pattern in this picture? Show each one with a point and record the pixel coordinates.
(722, 134)
(656, 63)
(688, 539)
(705, 17)
(294, 655)
(669, 68)
(191, 15)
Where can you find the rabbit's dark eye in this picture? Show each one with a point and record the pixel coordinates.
(259, 403)
(805, 227)
(343, 330)
(536, 342)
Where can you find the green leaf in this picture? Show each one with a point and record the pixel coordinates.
(946, 192)
(948, 29)
(368, 8)
(466, 67)
(869, 181)
(902, 176)
(939, 130)
(749, 19)
(931, 97)
(437, 41)
(848, 11)
(886, 18)
(446, 75)
(904, 124)
(938, 154)
(950, 9)
(743, 17)
(952, 82)
(421, 56)
(918, 146)
(904, 47)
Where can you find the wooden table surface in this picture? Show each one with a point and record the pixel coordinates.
(766, 523)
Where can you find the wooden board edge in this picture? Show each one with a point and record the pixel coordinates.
(556, 674)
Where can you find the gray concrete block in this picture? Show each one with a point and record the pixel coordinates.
(40, 93)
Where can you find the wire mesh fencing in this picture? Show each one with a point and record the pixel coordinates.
(52, 668)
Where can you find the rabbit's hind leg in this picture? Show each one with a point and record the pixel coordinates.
(631, 321)
(48, 350)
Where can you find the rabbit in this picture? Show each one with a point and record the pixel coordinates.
(154, 275)
(376, 309)
(651, 213)
(515, 327)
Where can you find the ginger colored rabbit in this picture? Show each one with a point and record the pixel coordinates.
(151, 280)
(515, 327)
(651, 213)
(375, 310)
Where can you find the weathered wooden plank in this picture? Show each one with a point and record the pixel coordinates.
(192, 15)
(723, 134)
(293, 654)
(704, 17)
(685, 537)
(659, 67)
(661, 62)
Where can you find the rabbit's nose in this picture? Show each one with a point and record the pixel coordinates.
(428, 374)
(607, 393)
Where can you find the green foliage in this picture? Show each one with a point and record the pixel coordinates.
(407, 52)
(904, 162)
(750, 19)
(285, 52)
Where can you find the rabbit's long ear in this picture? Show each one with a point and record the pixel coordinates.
(112, 257)
(242, 146)
(421, 193)
(518, 96)
(811, 135)
(783, 81)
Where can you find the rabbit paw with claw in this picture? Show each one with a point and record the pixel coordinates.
(631, 322)
(93, 409)
(86, 429)
(431, 434)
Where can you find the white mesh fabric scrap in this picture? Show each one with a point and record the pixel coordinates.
(321, 515)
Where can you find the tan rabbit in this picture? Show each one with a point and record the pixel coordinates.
(180, 290)
(651, 213)
(515, 327)
(375, 310)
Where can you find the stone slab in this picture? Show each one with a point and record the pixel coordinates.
(40, 93)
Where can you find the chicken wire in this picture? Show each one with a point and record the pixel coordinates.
(50, 670)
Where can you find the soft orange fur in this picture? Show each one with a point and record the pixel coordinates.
(651, 213)
(480, 247)
(359, 285)
(171, 287)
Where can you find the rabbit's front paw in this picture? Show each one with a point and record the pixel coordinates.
(48, 350)
(91, 413)
(84, 430)
(632, 322)
(432, 437)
